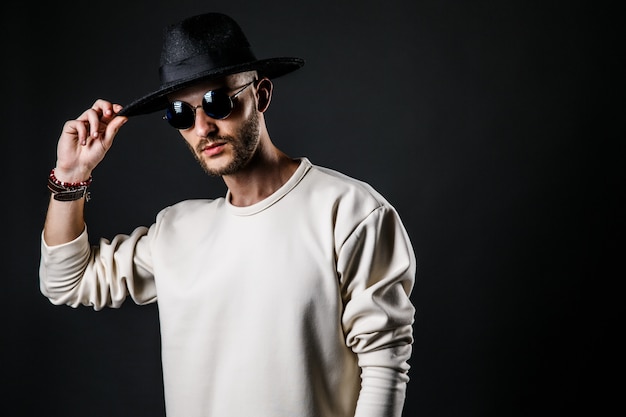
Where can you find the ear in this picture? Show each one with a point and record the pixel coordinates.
(264, 93)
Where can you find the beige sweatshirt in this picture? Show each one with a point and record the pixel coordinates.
(297, 306)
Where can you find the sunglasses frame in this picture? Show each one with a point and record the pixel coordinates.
(205, 101)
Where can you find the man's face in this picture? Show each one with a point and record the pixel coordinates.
(223, 147)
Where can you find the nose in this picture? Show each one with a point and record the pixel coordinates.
(203, 123)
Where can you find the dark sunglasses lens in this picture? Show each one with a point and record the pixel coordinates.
(179, 115)
(217, 104)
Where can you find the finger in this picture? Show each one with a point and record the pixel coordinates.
(77, 129)
(112, 128)
(117, 108)
(97, 118)
(104, 108)
(92, 118)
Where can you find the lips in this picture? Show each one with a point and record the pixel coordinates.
(213, 149)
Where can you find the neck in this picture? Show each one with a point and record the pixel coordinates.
(266, 172)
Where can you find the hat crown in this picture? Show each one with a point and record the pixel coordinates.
(210, 33)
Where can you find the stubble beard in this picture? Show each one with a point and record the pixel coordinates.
(243, 145)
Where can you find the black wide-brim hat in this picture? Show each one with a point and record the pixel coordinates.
(205, 47)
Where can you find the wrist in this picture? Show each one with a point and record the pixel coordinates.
(70, 176)
(66, 190)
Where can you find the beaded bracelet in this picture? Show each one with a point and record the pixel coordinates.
(69, 185)
(68, 191)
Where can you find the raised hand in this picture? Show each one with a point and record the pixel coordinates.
(85, 141)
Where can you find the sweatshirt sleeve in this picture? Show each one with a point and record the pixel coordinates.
(103, 275)
(377, 268)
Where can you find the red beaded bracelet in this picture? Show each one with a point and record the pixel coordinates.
(69, 185)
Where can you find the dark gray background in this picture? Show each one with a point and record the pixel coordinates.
(496, 129)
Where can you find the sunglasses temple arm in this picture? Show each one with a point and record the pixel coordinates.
(243, 88)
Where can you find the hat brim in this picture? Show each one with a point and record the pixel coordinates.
(157, 100)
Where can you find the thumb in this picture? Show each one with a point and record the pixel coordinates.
(112, 128)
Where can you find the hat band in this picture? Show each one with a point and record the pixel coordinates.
(201, 64)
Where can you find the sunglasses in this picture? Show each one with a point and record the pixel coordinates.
(216, 104)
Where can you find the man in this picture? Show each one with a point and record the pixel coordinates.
(287, 297)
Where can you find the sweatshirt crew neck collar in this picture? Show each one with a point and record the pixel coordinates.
(255, 208)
